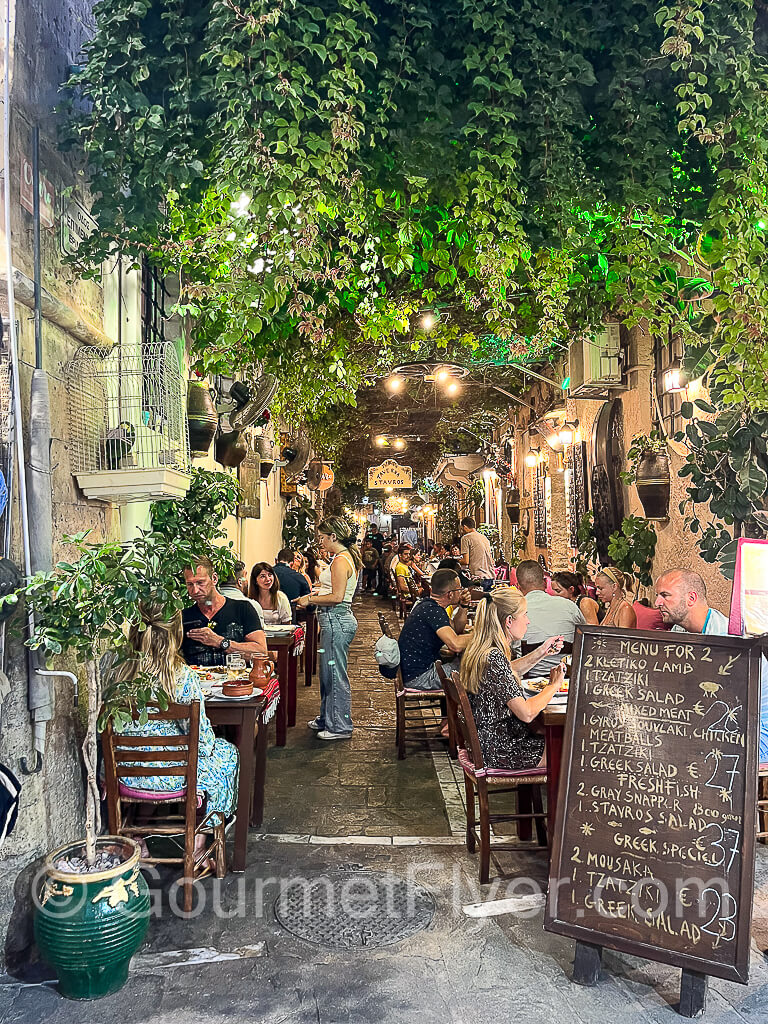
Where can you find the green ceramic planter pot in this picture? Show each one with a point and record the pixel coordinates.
(88, 927)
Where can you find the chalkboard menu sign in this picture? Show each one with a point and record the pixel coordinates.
(653, 851)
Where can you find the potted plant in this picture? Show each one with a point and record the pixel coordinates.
(299, 524)
(632, 548)
(649, 471)
(93, 910)
(586, 545)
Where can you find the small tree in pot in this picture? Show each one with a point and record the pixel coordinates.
(82, 608)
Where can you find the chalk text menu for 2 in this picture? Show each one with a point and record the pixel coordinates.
(655, 819)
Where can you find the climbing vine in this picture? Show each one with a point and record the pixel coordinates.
(318, 174)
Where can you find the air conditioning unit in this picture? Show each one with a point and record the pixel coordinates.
(595, 363)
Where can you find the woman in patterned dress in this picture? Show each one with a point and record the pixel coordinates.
(157, 656)
(502, 713)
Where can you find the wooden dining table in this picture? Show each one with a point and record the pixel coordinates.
(282, 647)
(307, 617)
(553, 720)
(246, 718)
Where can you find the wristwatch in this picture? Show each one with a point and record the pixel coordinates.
(224, 645)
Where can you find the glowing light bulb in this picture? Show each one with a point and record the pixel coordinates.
(381, 441)
(427, 322)
(452, 388)
(532, 457)
(388, 490)
(394, 383)
(442, 375)
(673, 378)
(399, 443)
(567, 433)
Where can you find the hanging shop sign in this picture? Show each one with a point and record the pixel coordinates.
(27, 194)
(389, 474)
(327, 478)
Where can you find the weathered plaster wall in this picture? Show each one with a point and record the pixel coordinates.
(48, 37)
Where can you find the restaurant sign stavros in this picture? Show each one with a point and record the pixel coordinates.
(389, 474)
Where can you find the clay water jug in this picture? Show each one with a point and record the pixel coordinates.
(262, 671)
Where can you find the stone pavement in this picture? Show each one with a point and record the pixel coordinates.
(459, 970)
(356, 787)
(353, 806)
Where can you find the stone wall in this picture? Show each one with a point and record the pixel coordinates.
(676, 545)
(48, 38)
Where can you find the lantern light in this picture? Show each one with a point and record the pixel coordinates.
(673, 377)
(532, 458)
(567, 433)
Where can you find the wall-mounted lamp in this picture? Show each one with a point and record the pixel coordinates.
(567, 433)
(673, 377)
(532, 458)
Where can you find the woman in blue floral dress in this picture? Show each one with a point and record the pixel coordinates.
(157, 648)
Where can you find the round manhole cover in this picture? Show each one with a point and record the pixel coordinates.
(354, 909)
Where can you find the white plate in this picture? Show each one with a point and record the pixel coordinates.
(278, 630)
(224, 696)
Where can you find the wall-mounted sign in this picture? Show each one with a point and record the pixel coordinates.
(27, 195)
(389, 474)
(76, 225)
(249, 475)
(326, 480)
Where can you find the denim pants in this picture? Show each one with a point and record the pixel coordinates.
(337, 631)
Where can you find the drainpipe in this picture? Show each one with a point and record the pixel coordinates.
(38, 726)
(41, 697)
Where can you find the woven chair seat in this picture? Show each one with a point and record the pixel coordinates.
(525, 777)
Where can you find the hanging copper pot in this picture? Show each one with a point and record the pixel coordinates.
(230, 449)
(202, 417)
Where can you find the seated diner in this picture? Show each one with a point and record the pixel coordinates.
(157, 656)
(215, 625)
(428, 629)
(503, 714)
(265, 588)
(611, 586)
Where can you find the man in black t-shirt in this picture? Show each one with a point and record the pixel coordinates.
(215, 625)
(428, 629)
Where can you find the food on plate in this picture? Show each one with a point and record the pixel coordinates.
(537, 685)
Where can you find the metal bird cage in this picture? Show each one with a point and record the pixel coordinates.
(128, 422)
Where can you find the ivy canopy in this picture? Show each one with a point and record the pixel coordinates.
(320, 173)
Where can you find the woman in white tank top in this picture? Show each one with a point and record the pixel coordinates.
(338, 626)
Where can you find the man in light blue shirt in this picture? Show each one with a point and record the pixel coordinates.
(549, 615)
(681, 597)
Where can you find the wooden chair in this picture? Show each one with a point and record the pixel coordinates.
(410, 724)
(762, 802)
(480, 781)
(175, 757)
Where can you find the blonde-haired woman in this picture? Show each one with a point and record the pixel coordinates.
(338, 626)
(501, 710)
(157, 656)
(610, 586)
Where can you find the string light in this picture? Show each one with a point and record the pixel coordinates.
(394, 383)
(427, 321)
(381, 441)
(452, 388)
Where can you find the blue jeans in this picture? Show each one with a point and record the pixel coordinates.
(338, 627)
